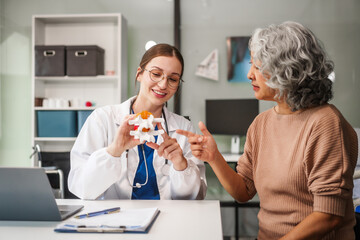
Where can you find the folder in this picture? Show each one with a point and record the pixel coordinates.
(124, 221)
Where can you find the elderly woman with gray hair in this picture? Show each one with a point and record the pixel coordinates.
(299, 157)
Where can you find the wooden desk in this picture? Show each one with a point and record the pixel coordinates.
(177, 220)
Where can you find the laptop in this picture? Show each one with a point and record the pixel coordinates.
(26, 195)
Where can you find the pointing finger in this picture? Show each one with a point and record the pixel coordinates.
(185, 133)
(203, 129)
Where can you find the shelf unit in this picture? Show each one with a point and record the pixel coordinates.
(109, 31)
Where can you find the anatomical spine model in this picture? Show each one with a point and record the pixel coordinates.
(144, 126)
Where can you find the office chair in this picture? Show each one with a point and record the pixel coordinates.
(50, 170)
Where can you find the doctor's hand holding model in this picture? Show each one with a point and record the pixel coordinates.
(108, 163)
(299, 157)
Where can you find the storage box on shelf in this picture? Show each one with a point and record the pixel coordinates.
(82, 115)
(84, 60)
(79, 60)
(60, 123)
(50, 60)
(56, 124)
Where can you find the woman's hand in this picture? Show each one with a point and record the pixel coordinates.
(170, 149)
(203, 146)
(123, 140)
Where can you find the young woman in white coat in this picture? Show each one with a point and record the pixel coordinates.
(108, 163)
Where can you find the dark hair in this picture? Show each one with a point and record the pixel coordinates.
(296, 62)
(161, 49)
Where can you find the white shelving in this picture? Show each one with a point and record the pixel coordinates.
(65, 108)
(55, 139)
(77, 79)
(108, 31)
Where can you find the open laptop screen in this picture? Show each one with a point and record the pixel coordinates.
(26, 194)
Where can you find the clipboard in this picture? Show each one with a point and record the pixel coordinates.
(125, 221)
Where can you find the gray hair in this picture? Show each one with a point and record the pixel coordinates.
(296, 63)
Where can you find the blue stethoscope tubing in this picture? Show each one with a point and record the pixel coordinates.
(164, 169)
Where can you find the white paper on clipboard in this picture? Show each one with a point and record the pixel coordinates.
(130, 220)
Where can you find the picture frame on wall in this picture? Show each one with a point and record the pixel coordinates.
(238, 58)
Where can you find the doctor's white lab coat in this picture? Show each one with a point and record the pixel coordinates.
(95, 174)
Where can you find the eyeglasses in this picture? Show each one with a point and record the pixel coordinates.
(157, 75)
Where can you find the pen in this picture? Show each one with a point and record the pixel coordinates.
(102, 212)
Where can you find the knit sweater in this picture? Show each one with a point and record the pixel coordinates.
(298, 164)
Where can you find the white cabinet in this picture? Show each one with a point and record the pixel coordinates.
(108, 31)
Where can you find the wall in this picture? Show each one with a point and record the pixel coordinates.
(1, 27)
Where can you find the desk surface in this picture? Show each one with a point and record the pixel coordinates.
(177, 220)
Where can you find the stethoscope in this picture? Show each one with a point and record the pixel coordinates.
(165, 169)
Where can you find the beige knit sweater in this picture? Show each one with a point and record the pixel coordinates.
(298, 164)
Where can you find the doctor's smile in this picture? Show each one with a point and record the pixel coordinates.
(159, 94)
